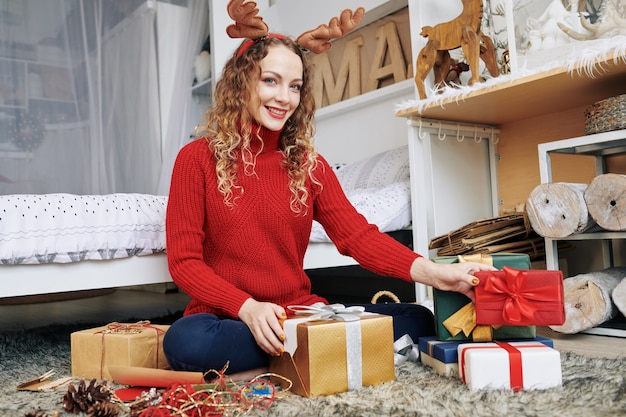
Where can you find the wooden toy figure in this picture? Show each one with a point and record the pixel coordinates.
(462, 31)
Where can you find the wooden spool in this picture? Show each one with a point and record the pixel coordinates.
(557, 210)
(587, 299)
(606, 201)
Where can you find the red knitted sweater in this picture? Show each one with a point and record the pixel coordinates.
(221, 256)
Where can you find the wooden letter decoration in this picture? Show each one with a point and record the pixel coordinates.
(388, 41)
(349, 73)
(372, 57)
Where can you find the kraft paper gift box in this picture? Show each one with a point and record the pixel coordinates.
(442, 356)
(328, 356)
(455, 314)
(520, 297)
(439, 355)
(514, 365)
(117, 344)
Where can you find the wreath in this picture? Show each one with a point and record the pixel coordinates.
(26, 132)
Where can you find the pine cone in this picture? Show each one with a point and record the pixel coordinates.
(77, 400)
(71, 402)
(103, 409)
(98, 392)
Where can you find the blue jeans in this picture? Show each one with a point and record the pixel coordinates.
(201, 342)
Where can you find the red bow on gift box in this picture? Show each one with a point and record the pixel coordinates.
(520, 297)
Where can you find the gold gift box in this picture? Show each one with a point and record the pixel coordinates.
(117, 344)
(319, 365)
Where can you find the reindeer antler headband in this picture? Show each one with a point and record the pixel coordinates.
(249, 25)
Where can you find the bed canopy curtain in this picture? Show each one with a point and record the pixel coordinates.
(81, 93)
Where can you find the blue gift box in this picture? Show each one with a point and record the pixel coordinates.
(446, 351)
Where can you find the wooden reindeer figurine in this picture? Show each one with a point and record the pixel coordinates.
(464, 32)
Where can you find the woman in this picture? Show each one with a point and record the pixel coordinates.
(240, 211)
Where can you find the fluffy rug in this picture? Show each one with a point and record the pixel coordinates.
(590, 387)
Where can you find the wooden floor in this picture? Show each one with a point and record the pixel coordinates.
(123, 304)
(117, 305)
(587, 344)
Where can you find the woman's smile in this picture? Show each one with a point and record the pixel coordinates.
(277, 92)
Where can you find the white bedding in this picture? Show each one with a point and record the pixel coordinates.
(389, 208)
(66, 228)
(379, 188)
(63, 228)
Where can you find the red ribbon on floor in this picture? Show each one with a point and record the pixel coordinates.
(518, 301)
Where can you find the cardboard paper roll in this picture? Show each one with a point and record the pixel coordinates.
(587, 299)
(557, 210)
(606, 201)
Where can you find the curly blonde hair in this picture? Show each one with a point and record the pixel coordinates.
(228, 125)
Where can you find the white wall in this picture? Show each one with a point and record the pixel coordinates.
(365, 125)
(222, 46)
(293, 17)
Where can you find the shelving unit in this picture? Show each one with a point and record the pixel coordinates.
(201, 99)
(526, 112)
(37, 87)
(530, 96)
(34, 95)
(600, 146)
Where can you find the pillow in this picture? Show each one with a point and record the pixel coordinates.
(389, 208)
(64, 228)
(377, 171)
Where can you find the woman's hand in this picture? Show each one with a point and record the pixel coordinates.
(457, 277)
(263, 321)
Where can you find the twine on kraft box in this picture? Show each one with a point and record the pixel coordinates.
(128, 328)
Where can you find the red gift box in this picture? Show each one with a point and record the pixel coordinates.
(519, 297)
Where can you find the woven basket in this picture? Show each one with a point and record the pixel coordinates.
(387, 294)
(606, 115)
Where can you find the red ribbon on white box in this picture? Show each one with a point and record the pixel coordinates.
(516, 374)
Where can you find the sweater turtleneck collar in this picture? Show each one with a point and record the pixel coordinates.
(270, 138)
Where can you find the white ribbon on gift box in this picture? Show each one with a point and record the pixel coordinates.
(405, 350)
(350, 315)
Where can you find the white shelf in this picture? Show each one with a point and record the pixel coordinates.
(594, 236)
(615, 328)
(599, 145)
(204, 83)
(8, 153)
(596, 144)
(545, 92)
(201, 99)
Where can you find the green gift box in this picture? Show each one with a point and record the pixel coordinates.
(450, 305)
(499, 260)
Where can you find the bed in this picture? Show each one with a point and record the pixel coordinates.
(51, 243)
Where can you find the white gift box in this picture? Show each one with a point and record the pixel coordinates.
(513, 365)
